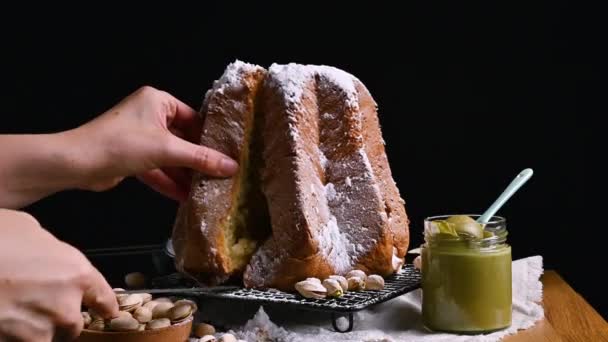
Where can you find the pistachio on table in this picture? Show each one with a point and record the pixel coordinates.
(311, 289)
(203, 329)
(158, 323)
(356, 284)
(333, 287)
(341, 280)
(356, 273)
(374, 282)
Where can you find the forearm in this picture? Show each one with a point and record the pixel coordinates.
(33, 166)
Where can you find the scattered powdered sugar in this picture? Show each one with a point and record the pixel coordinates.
(322, 159)
(368, 166)
(232, 76)
(291, 78)
(347, 181)
(330, 191)
(336, 246)
(261, 328)
(342, 80)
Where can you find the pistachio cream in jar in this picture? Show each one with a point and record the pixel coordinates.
(466, 274)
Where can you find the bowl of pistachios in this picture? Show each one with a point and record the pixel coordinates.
(141, 318)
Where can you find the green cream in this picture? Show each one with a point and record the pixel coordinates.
(466, 283)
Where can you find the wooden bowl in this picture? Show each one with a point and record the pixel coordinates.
(179, 332)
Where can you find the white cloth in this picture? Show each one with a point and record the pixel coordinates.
(396, 320)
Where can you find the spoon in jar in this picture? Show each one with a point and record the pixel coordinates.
(519, 180)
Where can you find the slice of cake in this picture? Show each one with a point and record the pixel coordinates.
(223, 222)
(333, 203)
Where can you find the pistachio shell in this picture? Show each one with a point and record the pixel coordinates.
(179, 313)
(356, 284)
(341, 280)
(145, 297)
(397, 263)
(356, 273)
(124, 323)
(158, 323)
(227, 338)
(333, 287)
(163, 299)
(135, 280)
(142, 327)
(316, 280)
(188, 301)
(161, 310)
(311, 289)
(120, 296)
(418, 263)
(130, 303)
(86, 318)
(124, 314)
(374, 282)
(207, 338)
(94, 315)
(151, 304)
(98, 325)
(203, 329)
(143, 315)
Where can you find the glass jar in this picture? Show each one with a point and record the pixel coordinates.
(466, 282)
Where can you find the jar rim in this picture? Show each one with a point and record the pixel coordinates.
(493, 220)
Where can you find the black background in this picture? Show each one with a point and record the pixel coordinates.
(468, 97)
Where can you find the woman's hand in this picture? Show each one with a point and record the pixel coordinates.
(149, 134)
(44, 282)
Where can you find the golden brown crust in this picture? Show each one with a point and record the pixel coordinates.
(199, 234)
(333, 204)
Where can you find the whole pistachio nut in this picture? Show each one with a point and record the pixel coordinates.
(145, 297)
(356, 284)
(203, 329)
(130, 303)
(161, 310)
(158, 323)
(374, 282)
(124, 323)
(341, 280)
(142, 315)
(333, 287)
(188, 301)
(356, 273)
(311, 289)
(151, 304)
(119, 296)
(179, 313)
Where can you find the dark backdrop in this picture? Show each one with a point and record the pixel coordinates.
(468, 98)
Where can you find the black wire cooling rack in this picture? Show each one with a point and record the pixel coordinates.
(408, 279)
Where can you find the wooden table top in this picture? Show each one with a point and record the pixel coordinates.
(568, 317)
